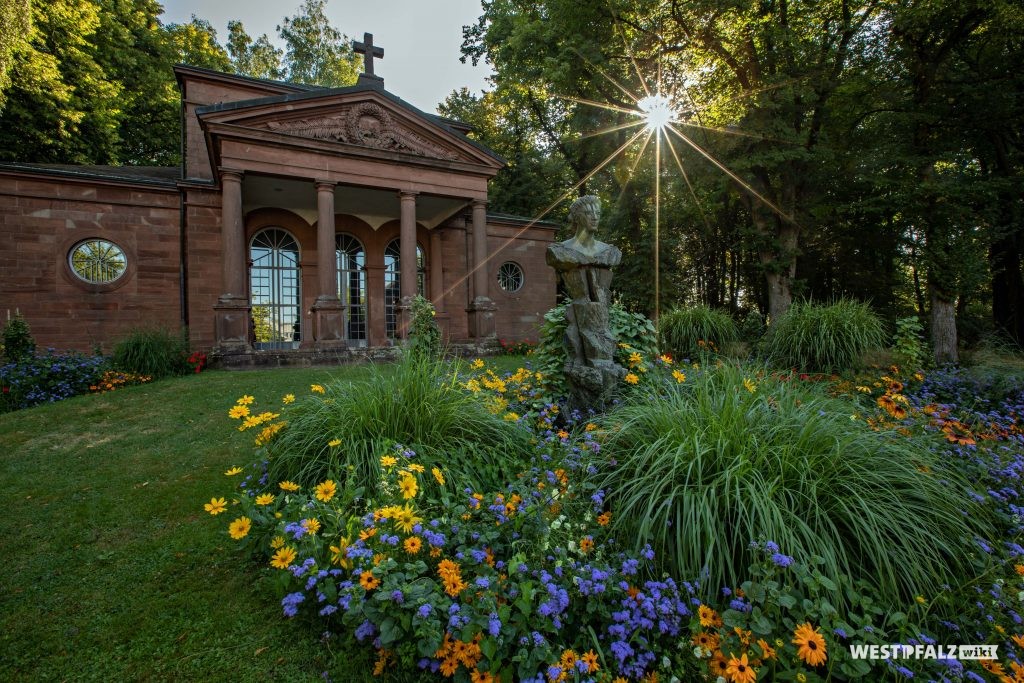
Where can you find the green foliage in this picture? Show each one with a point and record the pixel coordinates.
(633, 332)
(752, 327)
(681, 330)
(15, 21)
(315, 51)
(724, 458)
(418, 404)
(32, 380)
(424, 334)
(156, 352)
(823, 337)
(908, 343)
(18, 343)
(259, 58)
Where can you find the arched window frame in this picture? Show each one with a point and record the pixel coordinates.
(351, 259)
(275, 283)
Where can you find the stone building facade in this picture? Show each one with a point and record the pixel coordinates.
(299, 224)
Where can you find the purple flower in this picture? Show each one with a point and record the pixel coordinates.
(424, 611)
(781, 560)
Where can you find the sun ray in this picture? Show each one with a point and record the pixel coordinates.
(636, 162)
(629, 52)
(545, 212)
(657, 225)
(686, 177)
(602, 105)
(612, 129)
(739, 133)
(611, 80)
(742, 183)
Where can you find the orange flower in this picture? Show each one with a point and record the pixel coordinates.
(604, 518)
(1018, 639)
(767, 651)
(412, 545)
(707, 616)
(719, 665)
(707, 641)
(740, 671)
(586, 544)
(590, 659)
(368, 581)
(810, 644)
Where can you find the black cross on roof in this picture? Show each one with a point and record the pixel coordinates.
(369, 51)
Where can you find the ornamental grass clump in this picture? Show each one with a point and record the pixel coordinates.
(823, 338)
(156, 353)
(682, 331)
(342, 429)
(732, 455)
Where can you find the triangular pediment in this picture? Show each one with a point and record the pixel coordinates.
(367, 119)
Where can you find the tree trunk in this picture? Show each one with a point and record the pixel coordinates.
(943, 327)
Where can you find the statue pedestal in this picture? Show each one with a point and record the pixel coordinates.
(231, 324)
(481, 318)
(328, 324)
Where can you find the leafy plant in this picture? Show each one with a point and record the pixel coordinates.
(156, 352)
(18, 342)
(44, 379)
(424, 334)
(633, 332)
(680, 331)
(419, 404)
(726, 457)
(823, 337)
(908, 343)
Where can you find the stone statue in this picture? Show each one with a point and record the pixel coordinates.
(585, 267)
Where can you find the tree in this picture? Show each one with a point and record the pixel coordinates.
(195, 43)
(259, 58)
(15, 21)
(315, 51)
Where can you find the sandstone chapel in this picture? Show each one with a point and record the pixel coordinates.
(300, 223)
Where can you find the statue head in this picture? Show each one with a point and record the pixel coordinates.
(585, 213)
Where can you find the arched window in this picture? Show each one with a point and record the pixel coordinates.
(276, 295)
(352, 285)
(393, 282)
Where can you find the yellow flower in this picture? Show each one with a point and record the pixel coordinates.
(477, 364)
(511, 417)
(325, 490)
(801, 678)
(631, 378)
(368, 581)
(590, 427)
(635, 358)
(416, 467)
(407, 485)
(679, 377)
(311, 525)
(412, 545)
(473, 385)
(278, 542)
(245, 400)
(339, 553)
(920, 599)
(288, 398)
(666, 359)
(238, 412)
(316, 388)
(239, 528)
(283, 558)
(334, 442)
(405, 518)
(265, 499)
(707, 615)
(216, 506)
(233, 471)
(437, 475)
(740, 670)
(749, 385)
(387, 461)
(289, 486)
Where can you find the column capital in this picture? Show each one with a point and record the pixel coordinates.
(324, 185)
(233, 174)
(408, 194)
(481, 203)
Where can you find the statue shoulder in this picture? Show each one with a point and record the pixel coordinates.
(609, 255)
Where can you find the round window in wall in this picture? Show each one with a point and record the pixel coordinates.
(510, 277)
(97, 261)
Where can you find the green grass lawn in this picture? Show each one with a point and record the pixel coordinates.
(114, 571)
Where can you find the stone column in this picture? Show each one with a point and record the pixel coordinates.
(407, 259)
(437, 282)
(481, 309)
(231, 312)
(328, 314)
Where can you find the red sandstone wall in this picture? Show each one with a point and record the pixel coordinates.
(202, 236)
(520, 314)
(42, 219)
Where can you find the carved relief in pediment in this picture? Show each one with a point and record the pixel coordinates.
(367, 124)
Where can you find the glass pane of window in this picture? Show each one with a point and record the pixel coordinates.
(510, 277)
(275, 281)
(97, 261)
(352, 285)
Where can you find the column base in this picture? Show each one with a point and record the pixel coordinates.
(328, 323)
(481, 318)
(232, 324)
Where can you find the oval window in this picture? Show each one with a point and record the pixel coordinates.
(510, 277)
(97, 261)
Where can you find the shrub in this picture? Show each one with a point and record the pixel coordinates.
(681, 331)
(424, 334)
(18, 341)
(44, 379)
(725, 458)
(633, 332)
(823, 337)
(156, 353)
(420, 405)
(908, 344)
